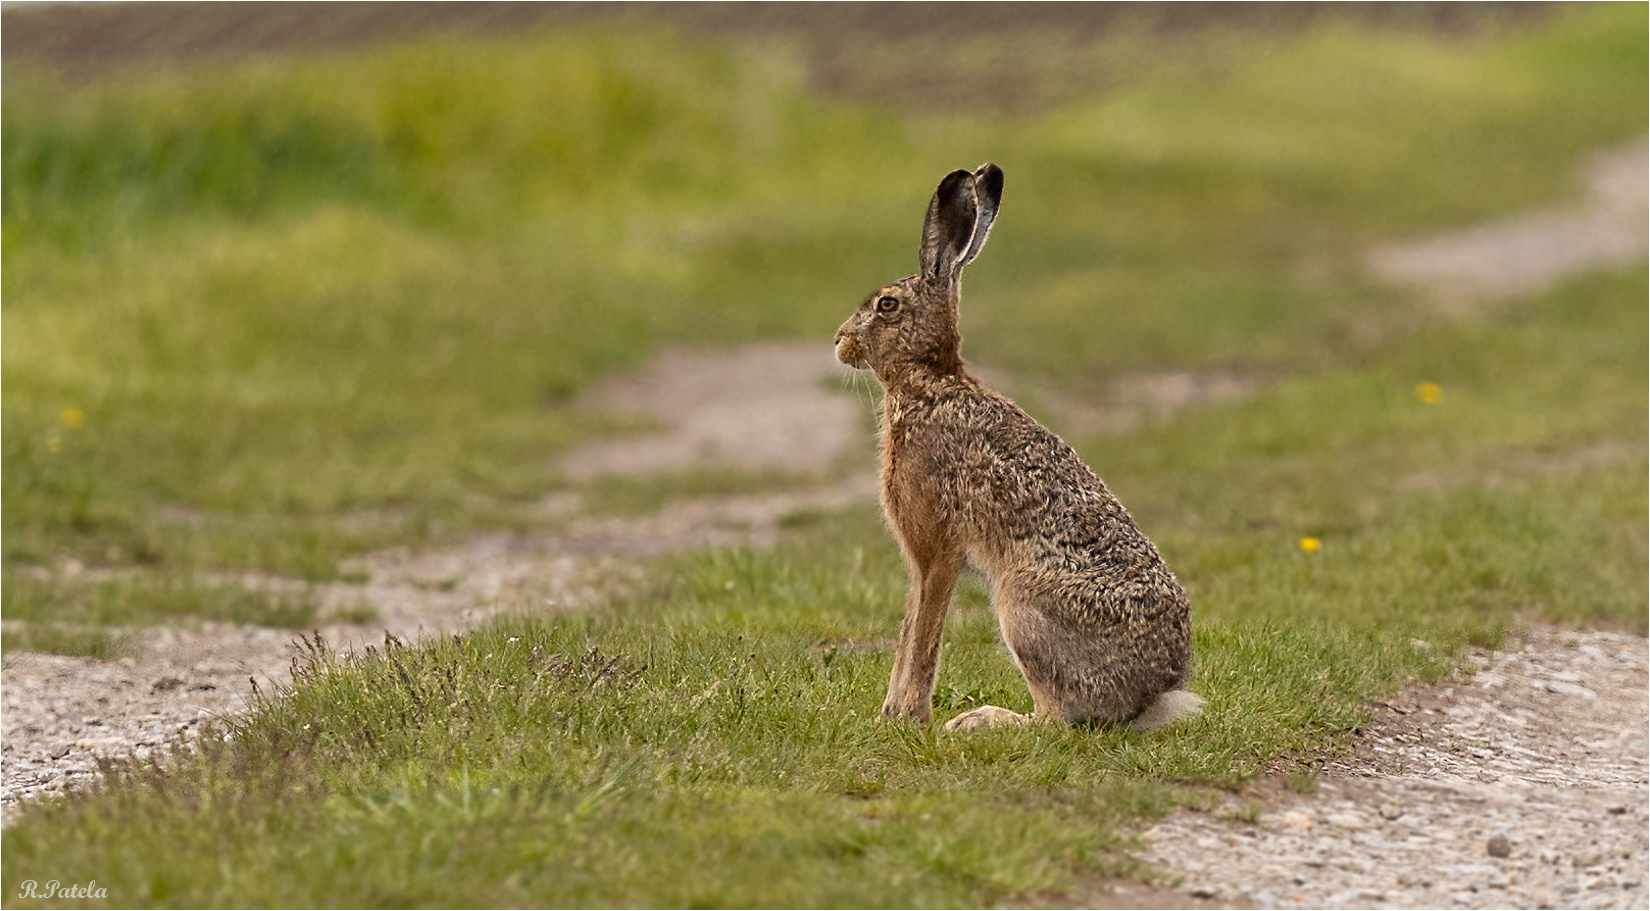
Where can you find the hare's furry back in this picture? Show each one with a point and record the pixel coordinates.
(1096, 621)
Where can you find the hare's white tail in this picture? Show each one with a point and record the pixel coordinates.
(1169, 707)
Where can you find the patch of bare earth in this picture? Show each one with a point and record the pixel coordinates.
(757, 407)
(1129, 400)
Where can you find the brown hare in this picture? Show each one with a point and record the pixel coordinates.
(1094, 618)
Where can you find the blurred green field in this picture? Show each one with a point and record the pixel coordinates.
(320, 305)
(332, 303)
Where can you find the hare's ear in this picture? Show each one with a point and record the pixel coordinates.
(988, 195)
(949, 227)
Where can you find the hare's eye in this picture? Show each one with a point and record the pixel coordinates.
(887, 304)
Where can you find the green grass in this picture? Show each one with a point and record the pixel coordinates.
(137, 600)
(65, 639)
(76, 616)
(1531, 462)
(343, 303)
(369, 326)
(642, 494)
(349, 299)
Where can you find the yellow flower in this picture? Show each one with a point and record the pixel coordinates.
(53, 444)
(73, 418)
(1429, 393)
(1311, 545)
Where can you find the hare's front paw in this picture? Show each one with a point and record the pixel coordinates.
(909, 703)
(986, 716)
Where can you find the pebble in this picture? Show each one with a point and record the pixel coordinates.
(1564, 688)
(1499, 846)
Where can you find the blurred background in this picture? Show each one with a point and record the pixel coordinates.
(286, 282)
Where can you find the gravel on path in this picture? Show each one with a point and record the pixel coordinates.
(1518, 783)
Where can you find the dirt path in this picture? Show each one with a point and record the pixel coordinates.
(59, 713)
(772, 407)
(1462, 270)
(1522, 785)
(761, 407)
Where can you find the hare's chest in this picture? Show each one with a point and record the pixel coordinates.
(905, 490)
(917, 475)
(894, 451)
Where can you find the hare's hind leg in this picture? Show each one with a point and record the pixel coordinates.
(1029, 643)
(934, 572)
(1077, 677)
(1045, 654)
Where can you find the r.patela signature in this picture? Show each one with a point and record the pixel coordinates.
(54, 889)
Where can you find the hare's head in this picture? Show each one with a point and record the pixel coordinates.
(912, 323)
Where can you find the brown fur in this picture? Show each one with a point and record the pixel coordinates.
(1096, 621)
